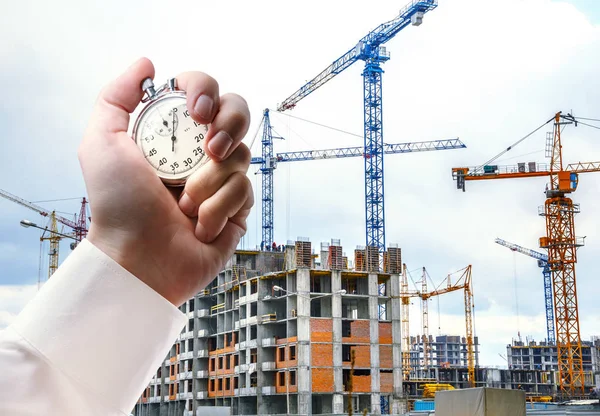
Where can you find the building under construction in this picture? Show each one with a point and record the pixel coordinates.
(278, 333)
(287, 331)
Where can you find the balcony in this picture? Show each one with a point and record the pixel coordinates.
(268, 390)
(186, 335)
(243, 368)
(202, 333)
(248, 391)
(203, 313)
(243, 322)
(242, 345)
(201, 395)
(269, 317)
(236, 369)
(269, 342)
(253, 320)
(183, 396)
(153, 399)
(269, 366)
(236, 325)
(252, 343)
(236, 346)
(186, 355)
(191, 315)
(202, 353)
(202, 373)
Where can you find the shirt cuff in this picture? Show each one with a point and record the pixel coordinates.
(101, 326)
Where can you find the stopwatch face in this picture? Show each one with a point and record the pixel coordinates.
(171, 141)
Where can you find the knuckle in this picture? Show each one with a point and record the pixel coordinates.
(243, 154)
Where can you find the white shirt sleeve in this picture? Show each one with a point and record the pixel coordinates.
(88, 343)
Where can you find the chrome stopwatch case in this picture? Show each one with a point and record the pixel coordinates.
(171, 141)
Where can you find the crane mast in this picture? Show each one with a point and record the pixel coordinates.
(425, 323)
(561, 243)
(405, 307)
(370, 49)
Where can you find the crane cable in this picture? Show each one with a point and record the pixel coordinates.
(323, 125)
(512, 146)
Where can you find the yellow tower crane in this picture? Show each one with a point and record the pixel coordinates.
(78, 225)
(462, 283)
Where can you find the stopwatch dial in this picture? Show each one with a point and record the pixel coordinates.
(175, 149)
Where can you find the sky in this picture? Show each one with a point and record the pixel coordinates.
(486, 72)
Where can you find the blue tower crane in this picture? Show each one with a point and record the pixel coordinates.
(371, 50)
(268, 163)
(543, 263)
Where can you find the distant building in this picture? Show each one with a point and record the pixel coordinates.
(444, 351)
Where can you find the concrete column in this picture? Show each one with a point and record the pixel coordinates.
(374, 346)
(336, 314)
(338, 404)
(396, 333)
(304, 353)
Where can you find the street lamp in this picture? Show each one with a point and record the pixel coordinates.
(310, 299)
(27, 224)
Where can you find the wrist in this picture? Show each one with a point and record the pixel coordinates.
(134, 256)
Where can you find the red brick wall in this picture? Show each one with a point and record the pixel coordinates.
(286, 362)
(285, 387)
(321, 330)
(386, 382)
(223, 392)
(322, 355)
(322, 380)
(361, 384)
(362, 358)
(385, 333)
(359, 332)
(385, 356)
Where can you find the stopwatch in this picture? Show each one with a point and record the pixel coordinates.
(171, 141)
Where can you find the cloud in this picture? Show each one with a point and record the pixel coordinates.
(487, 72)
(12, 300)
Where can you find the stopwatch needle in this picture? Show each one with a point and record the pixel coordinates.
(173, 138)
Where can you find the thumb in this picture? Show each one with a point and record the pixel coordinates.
(120, 98)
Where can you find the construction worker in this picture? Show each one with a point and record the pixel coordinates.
(93, 336)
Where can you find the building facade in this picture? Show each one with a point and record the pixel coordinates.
(278, 333)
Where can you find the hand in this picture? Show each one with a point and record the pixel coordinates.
(174, 243)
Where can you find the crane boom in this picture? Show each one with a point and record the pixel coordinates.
(364, 49)
(43, 212)
(547, 275)
(268, 163)
(519, 249)
(344, 152)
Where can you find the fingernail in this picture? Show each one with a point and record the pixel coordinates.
(220, 144)
(187, 206)
(204, 107)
